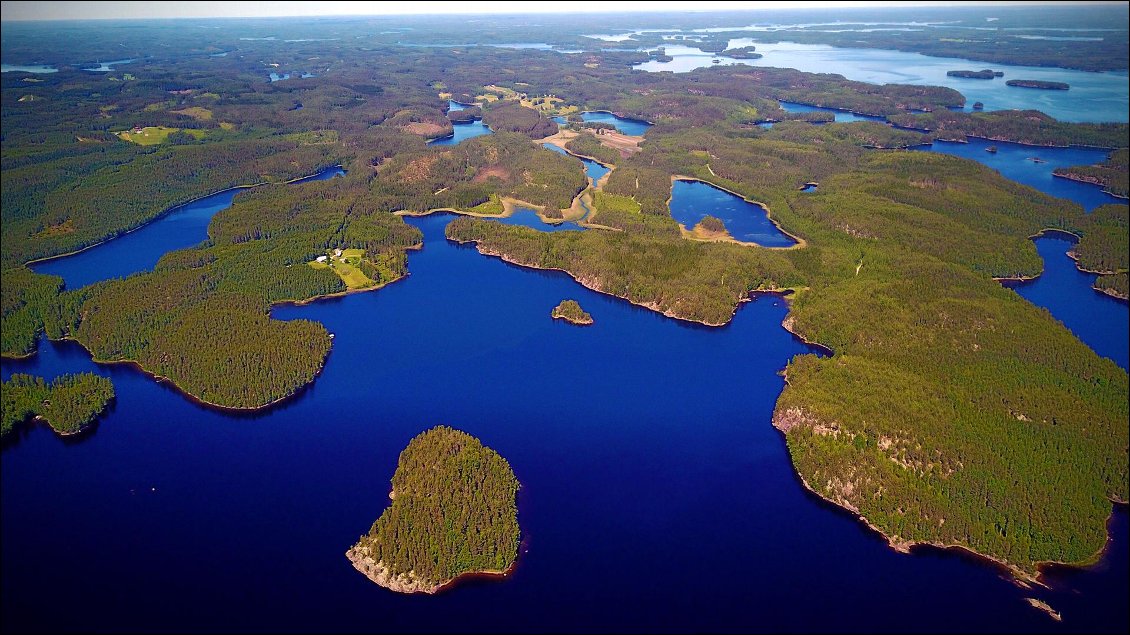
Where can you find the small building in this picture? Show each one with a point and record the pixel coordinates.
(337, 253)
(321, 259)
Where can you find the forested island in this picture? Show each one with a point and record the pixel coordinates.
(453, 513)
(69, 404)
(743, 53)
(987, 73)
(1036, 83)
(571, 311)
(898, 262)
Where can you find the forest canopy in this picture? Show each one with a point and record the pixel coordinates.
(453, 512)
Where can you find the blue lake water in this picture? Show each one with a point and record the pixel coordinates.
(139, 250)
(841, 115)
(1013, 160)
(656, 495)
(595, 171)
(747, 222)
(27, 68)
(463, 131)
(106, 67)
(1105, 94)
(527, 217)
(657, 501)
(1096, 318)
(633, 127)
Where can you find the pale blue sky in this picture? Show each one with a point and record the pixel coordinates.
(42, 10)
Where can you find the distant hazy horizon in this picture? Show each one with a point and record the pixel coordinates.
(19, 11)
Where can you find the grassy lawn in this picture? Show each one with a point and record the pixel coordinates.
(152, 135)
(347, 268)
(351, 276)
(493, 206)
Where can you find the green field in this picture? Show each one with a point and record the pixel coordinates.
(152, 135)
(347, 267)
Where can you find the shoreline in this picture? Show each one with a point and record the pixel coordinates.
(162, 379)
(172, 209)
(800, 242)
(1017, 575)
(509, 207)
(591, 286)
(378, 573)
(1075, 259)
(1089, 180)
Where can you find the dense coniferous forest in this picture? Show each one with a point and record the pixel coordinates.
(1020, 126)
(1011, 441)
(1113, 174)
(571, 311)
(69, 404)
(453, 511)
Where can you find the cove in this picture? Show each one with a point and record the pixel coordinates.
(595, 171)
(842, 116)
(139, 250)
(639, 472)
(106, 67)
(1014, 161)
(1097, 319)
(747, 222)
(527, 217)
(461, 131)
(633, 127)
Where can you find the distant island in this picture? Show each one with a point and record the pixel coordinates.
(982, 74)
(69, 404)
(572, 312)
(445, 478)
(1036, 83)
(742, 53)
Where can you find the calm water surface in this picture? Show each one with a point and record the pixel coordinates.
(106, 67)
(634, 483)
(139, 250)
(841, 115)
(1105, 95)
(593, 170)
(633, 127)
(1096, 318)
(655, 493)
(1014, 161)
(28, 68)
(747, 222)
(462, 131)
